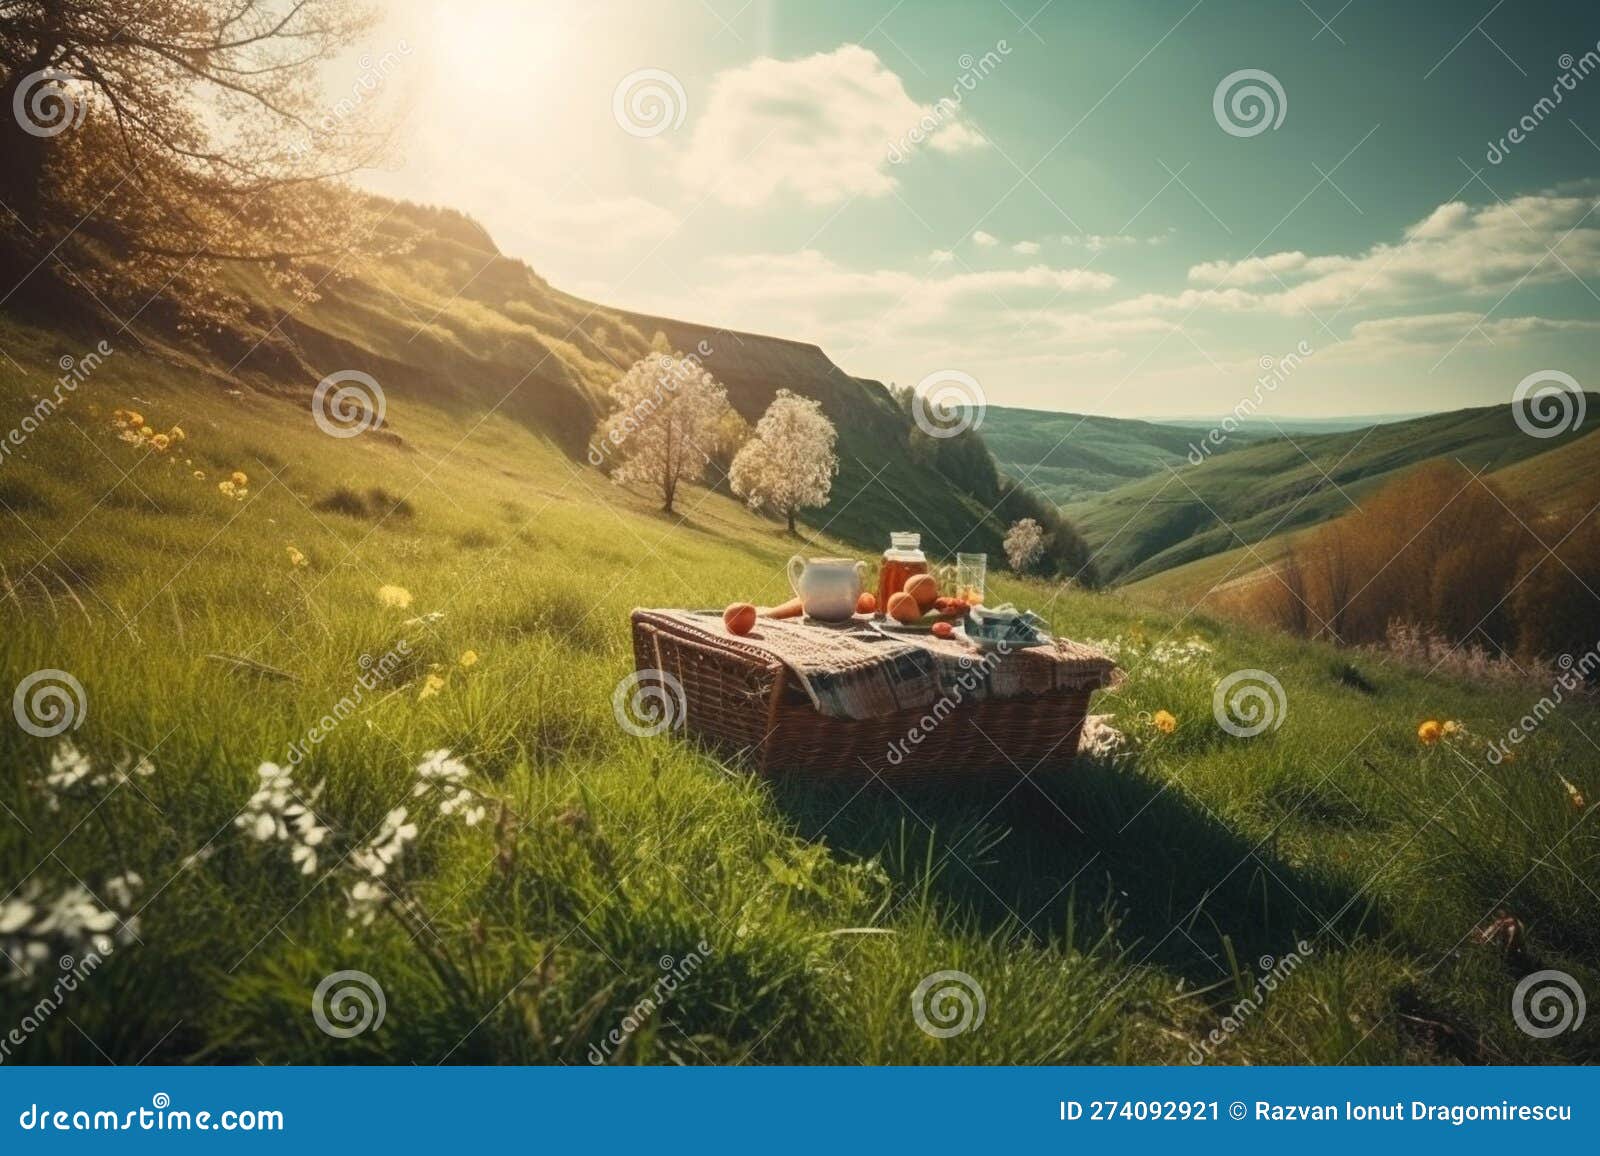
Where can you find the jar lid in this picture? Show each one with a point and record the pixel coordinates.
(905, 540)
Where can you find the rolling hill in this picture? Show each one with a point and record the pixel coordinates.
(1246, 496)
(1070, 457)
(444, 318)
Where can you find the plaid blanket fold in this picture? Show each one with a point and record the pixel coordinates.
(854, 670)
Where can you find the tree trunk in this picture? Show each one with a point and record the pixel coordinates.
(791, 521)
(21, 158)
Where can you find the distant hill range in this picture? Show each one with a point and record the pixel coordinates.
(1174, 513)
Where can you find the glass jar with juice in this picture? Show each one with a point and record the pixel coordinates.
(901, 561)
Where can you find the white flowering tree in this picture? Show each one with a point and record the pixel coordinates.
(1024, 544)
(670, 416)
(790, 463)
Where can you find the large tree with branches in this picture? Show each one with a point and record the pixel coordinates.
(173, 136)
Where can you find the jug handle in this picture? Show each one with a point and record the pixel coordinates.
(797, 567)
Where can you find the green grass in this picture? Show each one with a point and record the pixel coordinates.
(1071, 457)
(1111, 914)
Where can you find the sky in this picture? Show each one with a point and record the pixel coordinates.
(1139, 210)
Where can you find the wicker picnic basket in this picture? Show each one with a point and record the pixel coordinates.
(744, 703)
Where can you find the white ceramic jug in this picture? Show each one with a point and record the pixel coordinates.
(828, 588)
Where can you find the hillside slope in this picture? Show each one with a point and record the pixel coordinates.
(451, 322)
(1180, 515)
(1070, 457)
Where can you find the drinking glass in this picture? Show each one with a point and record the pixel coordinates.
(971, 570)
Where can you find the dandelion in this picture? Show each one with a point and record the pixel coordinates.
(147, 432)
(397, 597)
(469, 658)
(296, 559)
(161, 442)
(1430, 732)
(133, 417)
(239, 478)
(431, 686)
(200, 475)
(226, 488)
(176, 433)
(1164, 721)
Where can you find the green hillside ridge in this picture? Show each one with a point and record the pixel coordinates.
(1069, 457)
(1557, 484)
(450, 321)
(1247, 495)
(1112, 914)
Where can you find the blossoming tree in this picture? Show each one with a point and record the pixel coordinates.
(1024, 544)
(670, 415)
(790, 463)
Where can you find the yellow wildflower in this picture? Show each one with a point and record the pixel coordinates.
(200, 475)
(396, 596)
(133, 417)
(431, 686)
(1164, 721)
(161, 442)
(469, 658)
(296, 559)
(1429, 732)
(1574, 796)
(226, 488)
(239, 478)
(147, 432)
(176, 433)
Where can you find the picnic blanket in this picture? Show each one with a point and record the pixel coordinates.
(856, 670)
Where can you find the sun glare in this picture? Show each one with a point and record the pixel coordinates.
(495, 47)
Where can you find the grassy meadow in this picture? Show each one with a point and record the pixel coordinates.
(1113, 914)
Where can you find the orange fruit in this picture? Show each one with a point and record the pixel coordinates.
(867, 603)
(904, 608)
(924, 588)
(739, 618)
(943, 630)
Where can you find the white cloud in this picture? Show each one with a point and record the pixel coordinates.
(983, 238)
(823, 128)
(1026, 248)
(1457, 249)
(941, 256)
(1390, 335)
(807, 294)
